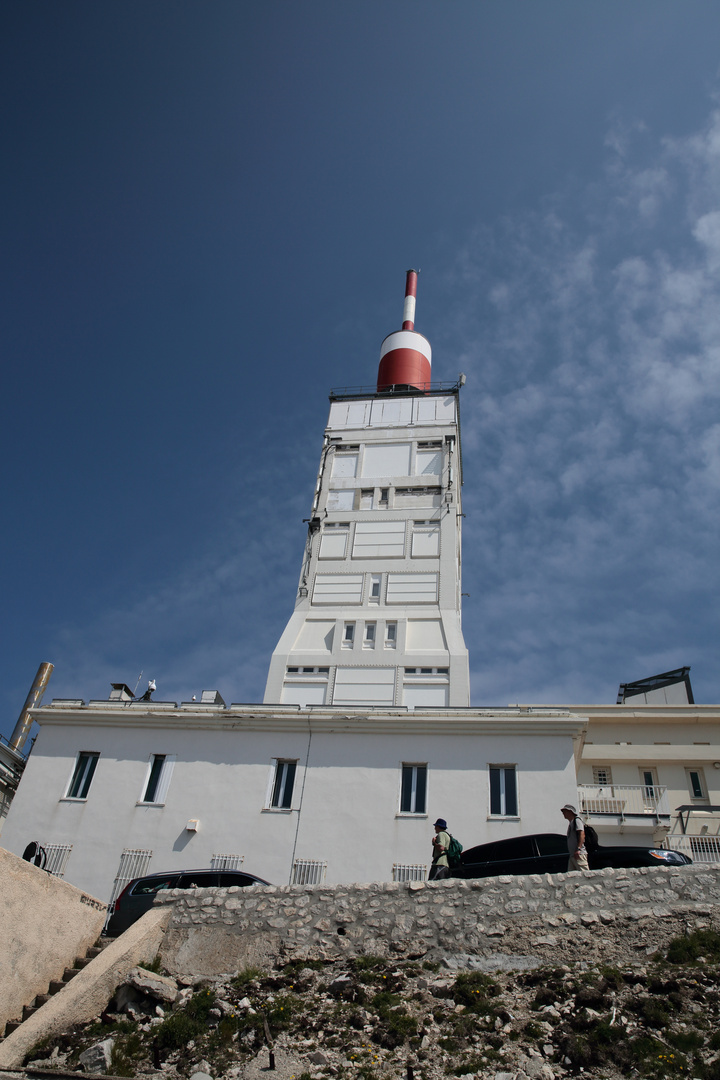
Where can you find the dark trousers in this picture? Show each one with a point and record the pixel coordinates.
(438, 872)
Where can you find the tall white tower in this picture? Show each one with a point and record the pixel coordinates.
(377, 615)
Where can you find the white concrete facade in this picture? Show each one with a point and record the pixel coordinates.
(344, 819)
(377, 619)
(641, 763)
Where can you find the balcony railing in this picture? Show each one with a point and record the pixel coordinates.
(703, 849)
(624, 800)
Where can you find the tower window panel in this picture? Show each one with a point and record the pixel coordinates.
(390, 635)
(82, 775)
(283, 782)
(348, 634)
(338, 589)
(425, 635)
(503, 791)
(413, 789)
(369, 641)
(386, 459)
(345, 464)
(341, 500)
(412, 589)
(391, 411)
(316, 635)
(333, 544)
(425, 541)
(364, 686)
(375, 586)
(374, 539)
(303, 693)
(428, 462)
(349, 414)
(417, 498)
(426, 695)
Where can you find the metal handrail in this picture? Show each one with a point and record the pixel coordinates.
(339, 393)
(621, 800)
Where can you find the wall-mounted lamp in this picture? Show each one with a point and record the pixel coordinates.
(193, 825)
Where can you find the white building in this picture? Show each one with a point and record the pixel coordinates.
(650, 767)
(365, 735)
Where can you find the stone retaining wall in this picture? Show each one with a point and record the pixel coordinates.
(214, 931)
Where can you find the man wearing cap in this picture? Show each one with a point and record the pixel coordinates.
(575, 839)
(441, 841)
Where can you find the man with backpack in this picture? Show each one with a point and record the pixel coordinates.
(575, 839)
(440, 843)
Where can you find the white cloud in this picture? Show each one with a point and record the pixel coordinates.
(590, 433)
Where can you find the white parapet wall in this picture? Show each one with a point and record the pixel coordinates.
(46, 924)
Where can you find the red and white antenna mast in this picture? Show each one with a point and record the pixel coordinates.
(405, 355)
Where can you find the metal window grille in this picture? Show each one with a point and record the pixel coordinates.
(308, 872)
(133, 863)
(705, 848)
(226, 862)
(409, 872)
(57, 857)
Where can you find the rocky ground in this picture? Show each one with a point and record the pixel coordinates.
(640, 999)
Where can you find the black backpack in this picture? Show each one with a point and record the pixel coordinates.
(591, 839)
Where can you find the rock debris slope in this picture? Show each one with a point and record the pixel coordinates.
(638, 998)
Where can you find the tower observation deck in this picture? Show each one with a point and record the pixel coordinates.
(377, 618)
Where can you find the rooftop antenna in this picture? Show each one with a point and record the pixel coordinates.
(405, 355)
(137, 684)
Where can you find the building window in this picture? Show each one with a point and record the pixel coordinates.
(390, 635)
(409, 872)
(503, 791)
(82, 776)
(57, 856)
(369, 642)
(226, 862)
(134, 863)
(413, 789)
(308, 872)
(158, 778)
(602, 775)
(375, 583)
(696, 784)
(282, 790)
(348, 635)
(384, 492)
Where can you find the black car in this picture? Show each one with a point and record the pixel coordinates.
(138, 895)
(542, 853)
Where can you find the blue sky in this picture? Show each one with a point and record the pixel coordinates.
(207, 213)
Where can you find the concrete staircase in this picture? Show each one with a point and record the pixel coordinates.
(55, 987)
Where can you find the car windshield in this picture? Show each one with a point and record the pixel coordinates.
(153, 885)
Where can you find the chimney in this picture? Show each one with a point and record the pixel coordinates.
(120, 692)
(22, 728)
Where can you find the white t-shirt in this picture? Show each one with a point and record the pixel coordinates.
(575, 827)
